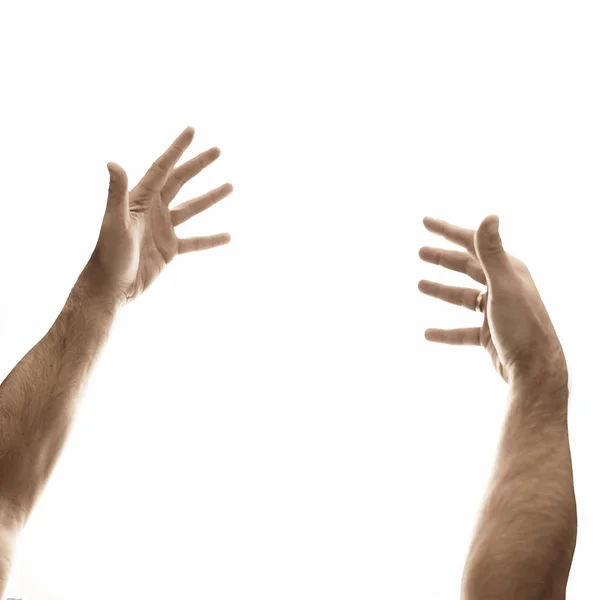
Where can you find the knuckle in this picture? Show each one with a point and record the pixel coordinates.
(157, 164)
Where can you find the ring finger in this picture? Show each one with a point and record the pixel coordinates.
(186, 210)
(460, 296)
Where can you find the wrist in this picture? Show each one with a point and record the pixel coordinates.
(545, 391)
(92, 292)
(546, 369)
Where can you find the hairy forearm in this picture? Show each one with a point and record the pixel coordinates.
(525, 539)
(39, 397)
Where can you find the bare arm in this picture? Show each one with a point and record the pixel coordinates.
(39, 397)
(37, 406)
(525, 540)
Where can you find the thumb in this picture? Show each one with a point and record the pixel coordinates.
(489, 248)
(117, 203)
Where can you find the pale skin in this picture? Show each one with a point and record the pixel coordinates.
(524, 542)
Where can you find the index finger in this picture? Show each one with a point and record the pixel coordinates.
(156, 176)
(453, 233)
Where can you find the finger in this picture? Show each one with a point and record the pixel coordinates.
(469, 336)
(117, 206)
(188, 209)
(202, 243)
(186, 171)
(460, 296)
(155, 178)
(460, 262)
(457, 235)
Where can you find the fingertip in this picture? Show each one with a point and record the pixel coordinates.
(490, 225)
(117, 173)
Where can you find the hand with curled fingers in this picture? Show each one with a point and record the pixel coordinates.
(137, 239)
(517, 330)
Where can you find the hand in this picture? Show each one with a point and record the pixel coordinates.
(137, 238)
(516, 330)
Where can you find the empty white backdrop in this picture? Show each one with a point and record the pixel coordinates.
(268, 419)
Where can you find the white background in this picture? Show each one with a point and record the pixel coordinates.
(268, 419)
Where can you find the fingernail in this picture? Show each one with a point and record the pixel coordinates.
(492, 227)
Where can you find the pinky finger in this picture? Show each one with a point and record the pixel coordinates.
(202, 243)
(467, 336)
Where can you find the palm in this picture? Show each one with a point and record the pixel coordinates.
(157, 247)
(148, 242)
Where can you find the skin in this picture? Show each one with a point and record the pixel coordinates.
(524, 542)
(137, 239)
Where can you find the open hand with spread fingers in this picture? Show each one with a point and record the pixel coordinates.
(137, 238)
(517, 330)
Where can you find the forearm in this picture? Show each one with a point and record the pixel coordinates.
(39, 397)
(525, 539)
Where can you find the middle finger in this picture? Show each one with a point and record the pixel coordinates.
(461, 262)
(182, 174)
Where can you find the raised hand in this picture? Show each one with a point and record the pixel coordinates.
(517, 330)
(137, 238)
